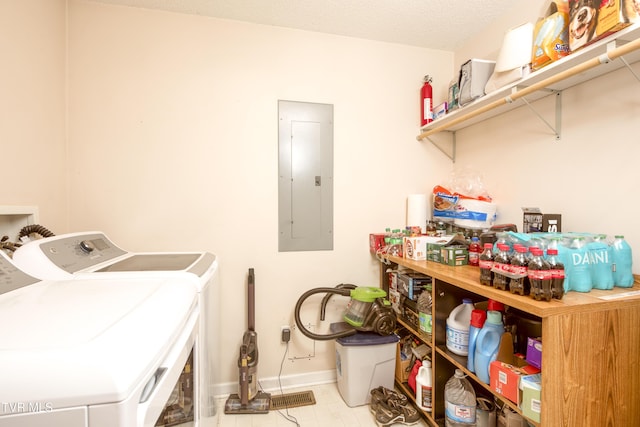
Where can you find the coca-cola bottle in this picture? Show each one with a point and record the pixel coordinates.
(501, 265)
(486, 264)
(519, 283)
(474, 251)
(540, 276)
(557, 273)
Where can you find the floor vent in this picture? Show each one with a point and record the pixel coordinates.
(292, 400)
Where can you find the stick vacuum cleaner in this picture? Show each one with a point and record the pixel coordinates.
(249, 400)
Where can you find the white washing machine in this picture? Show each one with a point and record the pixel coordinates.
(96, 353)
(91, 255)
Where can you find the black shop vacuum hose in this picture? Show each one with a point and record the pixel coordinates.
(342, 289)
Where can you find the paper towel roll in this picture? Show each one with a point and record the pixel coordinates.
(417, 211)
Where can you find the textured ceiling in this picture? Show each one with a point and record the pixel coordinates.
(436, 24)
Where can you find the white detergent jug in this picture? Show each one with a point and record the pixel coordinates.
(458, 328)
(424, 386)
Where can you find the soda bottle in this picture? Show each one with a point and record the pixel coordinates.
(395, 249)
(622, 258)
(557, 273)
(501, 265)
(540, 276)
(474, 251)
(519, 282)
(486, 264)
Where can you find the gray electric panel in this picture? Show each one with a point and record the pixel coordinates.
(305, 170)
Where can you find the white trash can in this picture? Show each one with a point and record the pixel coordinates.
(364, 361)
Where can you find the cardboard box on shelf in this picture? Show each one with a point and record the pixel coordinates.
(393, 280)
(591, 20)
(533, 221)
(455, 255)
(410, 284)
(376, 242)
(614, 15)
(534, 352)
(409, 312)
(403, 365)
(551, 35)
(450, 250)
(506, 371)
(440, 111)
(531, 389)
(395, 300)
(415, 248)
(504, 379)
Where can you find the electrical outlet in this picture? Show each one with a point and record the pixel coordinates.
(285, 333)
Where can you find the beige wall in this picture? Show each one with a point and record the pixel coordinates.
(173, 146)
(588, 176)
(33, 110)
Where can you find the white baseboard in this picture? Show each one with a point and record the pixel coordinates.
(287, 382)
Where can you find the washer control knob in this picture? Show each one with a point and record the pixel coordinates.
(87, 246)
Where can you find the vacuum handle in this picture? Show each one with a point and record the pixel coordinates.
(251, 324)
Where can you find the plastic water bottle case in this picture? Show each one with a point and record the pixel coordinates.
(622, 258)
(601, 263)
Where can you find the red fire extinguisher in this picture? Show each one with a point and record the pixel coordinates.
(426, 106)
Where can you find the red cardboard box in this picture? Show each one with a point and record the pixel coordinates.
(505, 379)
(376, 242)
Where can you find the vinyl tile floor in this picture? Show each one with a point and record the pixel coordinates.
(329, 410)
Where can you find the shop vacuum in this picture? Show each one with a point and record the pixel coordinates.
(249, 400)
(368, 310)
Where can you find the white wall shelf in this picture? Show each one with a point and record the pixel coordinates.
(609, 54)
(14, 218)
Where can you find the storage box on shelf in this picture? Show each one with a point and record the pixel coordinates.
(590, 357)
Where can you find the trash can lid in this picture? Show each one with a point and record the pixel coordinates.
(362, 337)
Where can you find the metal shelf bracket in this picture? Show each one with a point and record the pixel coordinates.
(557, 128)
(451, 154)
(624, 61)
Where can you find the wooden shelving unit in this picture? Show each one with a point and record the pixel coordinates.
(591, 347)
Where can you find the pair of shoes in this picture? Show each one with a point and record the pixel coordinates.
(391, 407)
(386, 415)
(394, 413)
(383, 394)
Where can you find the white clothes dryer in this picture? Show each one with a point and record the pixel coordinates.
(92, 255)
(95, 353)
